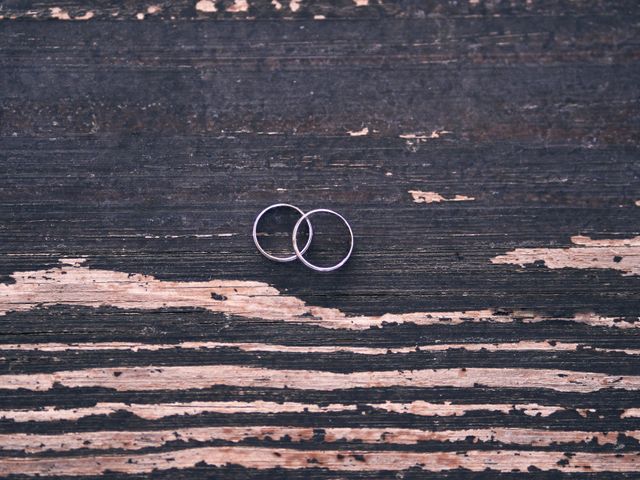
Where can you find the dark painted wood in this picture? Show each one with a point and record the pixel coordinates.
(147, 137)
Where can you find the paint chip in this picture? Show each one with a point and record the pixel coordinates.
(587, 253)
(361, 3)
(294, 5)
(433, 197)
(206, 6)
(424, 136)
(238, 6)
(58, 13)
(153, 9)
(140, 16)
(359, 133)
(276, 4)
(76, 262)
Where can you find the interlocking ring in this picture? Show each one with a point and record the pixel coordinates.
(300, 253)
(263, 251)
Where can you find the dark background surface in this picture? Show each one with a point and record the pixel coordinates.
(148, 145)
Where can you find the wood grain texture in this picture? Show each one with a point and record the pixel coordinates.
(486, 154)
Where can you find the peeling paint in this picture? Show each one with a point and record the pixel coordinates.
(86, 16)
(513, 436)
(207, 6)
(631, 413)
(127, 379)
(75, 262)
(238, 6)
(105, 440)
(157, 411)
(336, 460)
(137, 440)
(607, 242)
(424, 136)
(447, 409)
(434, 197)
(164, 410)
(80, 285)
(611, 254)
(58, 13)
(521, 346)
(359, 133)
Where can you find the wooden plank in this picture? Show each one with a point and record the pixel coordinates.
(486, 156)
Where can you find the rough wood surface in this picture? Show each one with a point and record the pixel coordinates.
(487, 155)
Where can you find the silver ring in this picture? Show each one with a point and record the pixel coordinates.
(300, 253)
(262, 250)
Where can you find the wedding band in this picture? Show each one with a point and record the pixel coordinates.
(273, 257)
(299, 253)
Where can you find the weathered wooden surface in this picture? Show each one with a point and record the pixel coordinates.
(487, 154)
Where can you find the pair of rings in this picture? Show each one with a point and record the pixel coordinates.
(299, 253)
